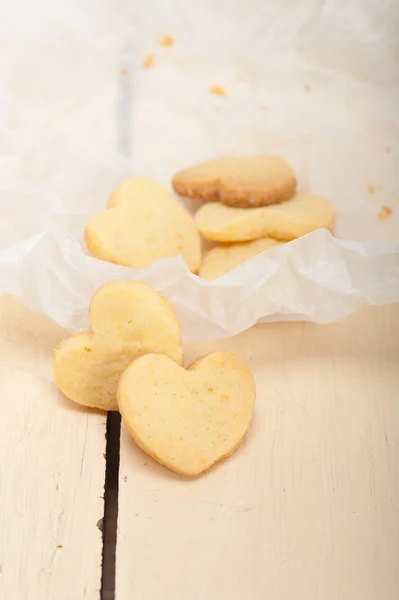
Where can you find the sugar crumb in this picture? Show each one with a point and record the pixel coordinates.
(218, 90)
(385, 213)
(167, 40)
(149, 61)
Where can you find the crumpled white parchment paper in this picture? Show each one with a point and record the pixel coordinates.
(314, 82)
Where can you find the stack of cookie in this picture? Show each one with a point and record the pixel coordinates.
(252, 204)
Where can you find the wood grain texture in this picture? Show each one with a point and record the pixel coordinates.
(51, 471)
(307, 508)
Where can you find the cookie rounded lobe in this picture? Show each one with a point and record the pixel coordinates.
(138, 189)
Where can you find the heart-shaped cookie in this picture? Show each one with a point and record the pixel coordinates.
(143, 223)
(222, 259)
(187, 419)
(128, 319)
(304, 213)
(244, 181)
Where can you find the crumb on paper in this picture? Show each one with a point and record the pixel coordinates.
(124, 72)
(60, 546)
(388, 149)
(307, 88)
(149, 61)
(167, 40)
(374, 188)
(263, 107)
(218, 90)
(385, 213)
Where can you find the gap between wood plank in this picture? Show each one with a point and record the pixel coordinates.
(110, 520)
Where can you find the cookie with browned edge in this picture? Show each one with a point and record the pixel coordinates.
(241, 181)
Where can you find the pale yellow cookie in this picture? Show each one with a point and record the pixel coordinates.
(304, 213)
(128, 319)
(139, 189)
(187, 419)
(244, 181)
(143, 223)
(222, 259)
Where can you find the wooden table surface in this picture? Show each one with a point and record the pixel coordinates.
(306, 509)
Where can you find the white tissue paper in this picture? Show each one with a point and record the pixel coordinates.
(313, 82)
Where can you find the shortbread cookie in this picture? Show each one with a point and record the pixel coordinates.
(243, 181)
(222, 259)
(128, 319)
(143, 223)
(138, 189)
(187, 419)
(302, 214)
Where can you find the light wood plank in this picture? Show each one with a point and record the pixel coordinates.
(307, 508)
(52, 471)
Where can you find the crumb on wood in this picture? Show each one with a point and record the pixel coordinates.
(167, 40)
(385, 213)
(218, 90)
(149, 61)
(60, 546)
(307, 88)
(124, 71)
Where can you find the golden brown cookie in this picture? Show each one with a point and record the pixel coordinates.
(222, 259)
(240, 181)
(128, 319)
(187, 419)
(304, 213)
(143, 223)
